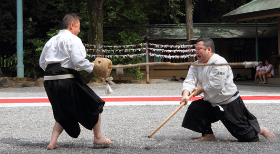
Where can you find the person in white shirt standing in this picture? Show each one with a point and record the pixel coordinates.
(268, 72)
(259, 70)
(72, 101)
(221, 99)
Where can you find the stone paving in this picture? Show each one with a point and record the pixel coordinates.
(28, 129)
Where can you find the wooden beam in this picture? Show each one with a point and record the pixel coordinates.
(278, 59)
(258, 17)
(278, 35)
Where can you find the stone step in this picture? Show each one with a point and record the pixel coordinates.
(273, 80)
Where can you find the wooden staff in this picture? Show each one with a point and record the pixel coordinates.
(246, 64)
(170, 116)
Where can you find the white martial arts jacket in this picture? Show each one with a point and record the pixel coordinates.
(68, 50)
(217, 81)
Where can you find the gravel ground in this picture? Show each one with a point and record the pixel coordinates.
(28, 129)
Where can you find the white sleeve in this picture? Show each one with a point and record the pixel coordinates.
(78, 56)
(191, 79)
(217, 79)
(42, 59)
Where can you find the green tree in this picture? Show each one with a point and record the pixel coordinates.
(128, 18)
(40, 18)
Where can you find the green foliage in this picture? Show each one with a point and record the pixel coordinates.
(31, 55)
(129, 19)
(40, 18)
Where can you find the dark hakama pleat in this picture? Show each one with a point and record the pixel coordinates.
(199, 116)
(72, 101)
(240, 122)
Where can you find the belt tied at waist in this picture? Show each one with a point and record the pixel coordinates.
(236, 95)
(57, 77)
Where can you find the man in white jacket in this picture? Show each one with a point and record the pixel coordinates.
(221, 99)
(72, 101)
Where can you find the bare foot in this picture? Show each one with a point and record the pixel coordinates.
(267, 134)
(102, 141)
(207, 137)
(51, 147)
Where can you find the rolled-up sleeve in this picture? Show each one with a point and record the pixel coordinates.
(191, 79)
(42, 61)
(217, 79)
(78, 56)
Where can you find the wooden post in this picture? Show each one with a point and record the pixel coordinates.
(147, 61)
(278, 59)
(257, 46)
(278, 35)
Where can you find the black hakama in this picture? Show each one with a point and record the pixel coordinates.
(236, 118)
(72, 101)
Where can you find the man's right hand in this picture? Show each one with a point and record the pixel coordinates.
(185, 97)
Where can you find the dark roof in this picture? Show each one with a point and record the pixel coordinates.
(211, 30)
(255, 9)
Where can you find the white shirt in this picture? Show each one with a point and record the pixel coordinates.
(68, 50)
(260, 68)
(267, 68)
(217, 81)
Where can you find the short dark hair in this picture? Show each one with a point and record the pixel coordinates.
(266, 61)
(207, 42)
(68, 19)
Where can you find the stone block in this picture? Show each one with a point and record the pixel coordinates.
(21, 80)
(4, 82)
(28, 84)
(39, 82)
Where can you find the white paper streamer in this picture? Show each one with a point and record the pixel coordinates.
(143, 44)
(108, 87)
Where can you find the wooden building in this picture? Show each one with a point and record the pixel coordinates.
(236, 43)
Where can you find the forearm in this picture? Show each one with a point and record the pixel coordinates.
(185, 93)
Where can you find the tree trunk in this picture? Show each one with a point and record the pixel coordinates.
(96, 17)
(189, 20)
(1, 73)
